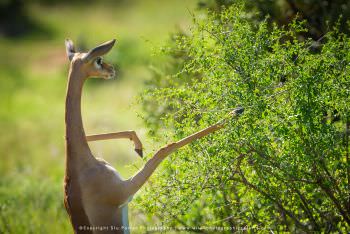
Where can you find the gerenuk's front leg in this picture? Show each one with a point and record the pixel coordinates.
(133, 184)
(119, 135)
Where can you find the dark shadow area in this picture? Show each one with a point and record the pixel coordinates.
(15, 21)
(320, 16)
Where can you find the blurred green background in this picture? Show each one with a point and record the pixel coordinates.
(33, 76)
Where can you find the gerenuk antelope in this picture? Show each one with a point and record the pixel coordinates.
(96, 197)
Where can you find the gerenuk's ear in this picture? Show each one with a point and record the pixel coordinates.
(99, 50)
(70, 49)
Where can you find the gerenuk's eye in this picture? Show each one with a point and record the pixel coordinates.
(98, 61)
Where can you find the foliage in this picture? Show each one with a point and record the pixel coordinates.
(284, 164)
(25, 203)
(320, 15)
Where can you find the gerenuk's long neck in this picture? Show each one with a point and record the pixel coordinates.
(75, 135)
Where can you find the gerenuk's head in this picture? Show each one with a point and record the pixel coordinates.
(91, 64)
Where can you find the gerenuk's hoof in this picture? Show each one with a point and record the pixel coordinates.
(139, 152)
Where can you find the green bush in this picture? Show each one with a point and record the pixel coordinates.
(320, 15)
(284, 164)
(31, 205)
